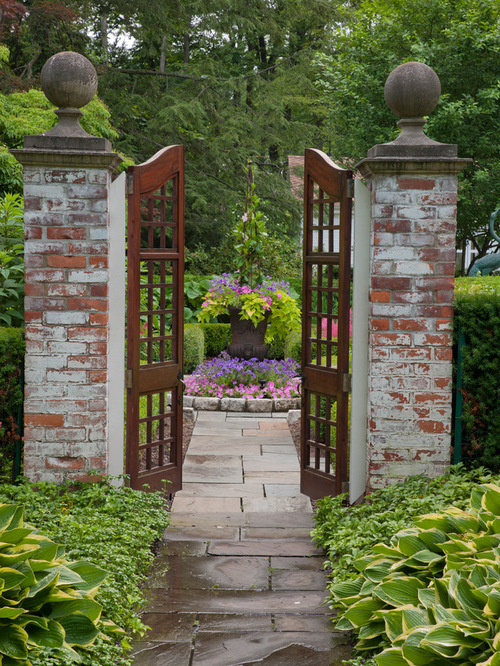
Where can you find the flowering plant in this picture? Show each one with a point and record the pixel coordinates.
(272, 297)
(228, 377)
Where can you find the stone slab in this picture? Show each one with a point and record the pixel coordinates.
(250, 489)
(275, 533)
(217, 430)
(298, 563)
(214, 622)
(316, 623)
(298, 580)
(279, 449)
(238, 422)
(169, 626)
(277, 504)
(271, 463)
(260, 405)
(161, 654)
(212, 469)
(206, 573)
(264, 547)
(185, 548)
(233, 404)
(282, 490)
(234, 649)
(281, 433)
(273, 477)
(245, 415)
(234, 601)
(213, 446)
(206, 504)
(274, 425)
(239, 519)
(201, 533)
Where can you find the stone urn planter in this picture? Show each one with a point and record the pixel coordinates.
(247, 340)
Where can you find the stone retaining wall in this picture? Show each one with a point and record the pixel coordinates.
(255, 405)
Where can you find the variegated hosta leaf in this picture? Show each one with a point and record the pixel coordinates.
(438, 590)
(46, 601)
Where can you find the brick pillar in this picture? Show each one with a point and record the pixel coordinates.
(413, 183)
(67, 179)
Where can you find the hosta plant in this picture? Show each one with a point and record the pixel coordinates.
(432, 596)
(46, 601)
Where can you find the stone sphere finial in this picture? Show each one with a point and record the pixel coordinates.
(412, 90)
(69, 80)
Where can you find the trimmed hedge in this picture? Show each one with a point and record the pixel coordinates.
(217, 338)
(11, 395)
(293, 346)
(477, 311)
(194, 343)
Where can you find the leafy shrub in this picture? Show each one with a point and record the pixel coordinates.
(11, 395)
(113, 528)
(195, 289)
(193, 346)
(293, 346)
(276, 349)
(11, 260)
(432, 596)
(217, 338)
(477, 311)
(47, 601)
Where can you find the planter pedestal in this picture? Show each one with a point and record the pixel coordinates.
(247, 339)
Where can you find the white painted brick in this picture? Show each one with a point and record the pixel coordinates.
(391, 310)
(50, 333)
(395, 198)
(447, 212)
(32, 376)
(395, 253)
(67, 376)
(99, 233)
(48, 362)
(87, 276)
(47, 191)
(72, 348)
(70, 317)
(83, 391)
(416, 212)
(412, 268)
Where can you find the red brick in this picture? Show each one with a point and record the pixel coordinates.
(97, 405)
(443, 354)
(380, 296)
(445, 268)
(33, 317)
(44, 275)
(430, 397)
(98, 348)
(66, 262)
(99, 290)
(88, 304)
(34, 261)
(32, 233)
(37, 420)
(400, 339)
(71, 233)
(438, 199)
(436, 311)
(409, 183)
(98, 319)
(32, 203)
(410, 325)
(66, 290)
(392, 226)
(391, 282)
(31, 289)
(98, 376)
(433, 426)
(64, 462)
(99, 262)
(379, 324)
(86, 333)
(421, 354)
(443, 383)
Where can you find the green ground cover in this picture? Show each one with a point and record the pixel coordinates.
(114, 528)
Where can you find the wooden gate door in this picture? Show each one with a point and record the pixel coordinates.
(155, 319)
(325, 326)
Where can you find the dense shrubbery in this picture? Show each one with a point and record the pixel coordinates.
(477, 311)
(114, 528)
(11, 395)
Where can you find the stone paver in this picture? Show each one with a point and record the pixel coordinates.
(237, 581)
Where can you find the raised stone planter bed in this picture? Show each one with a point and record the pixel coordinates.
(262, 405)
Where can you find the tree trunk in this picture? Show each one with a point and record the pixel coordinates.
(104, 40)
(162, 54)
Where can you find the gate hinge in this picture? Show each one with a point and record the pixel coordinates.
(345, 486)
(350, 188)
(130, 183)
(128, 379)
(346, 382)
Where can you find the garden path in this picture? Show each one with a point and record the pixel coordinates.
(237, 580)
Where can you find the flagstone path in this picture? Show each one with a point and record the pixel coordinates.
(237, 581)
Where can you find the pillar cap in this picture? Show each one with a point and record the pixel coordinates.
(412, 91)
(69, 80)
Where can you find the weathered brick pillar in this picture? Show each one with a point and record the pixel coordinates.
(67, 179)
(413, 183)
